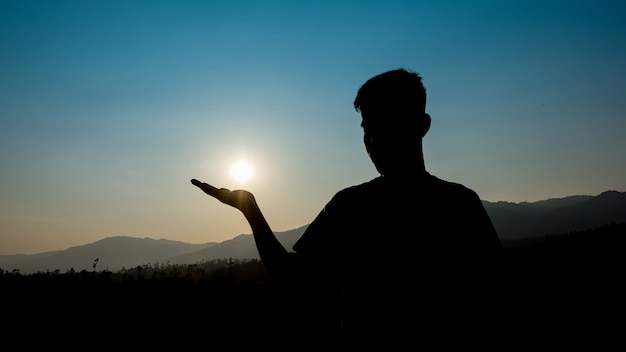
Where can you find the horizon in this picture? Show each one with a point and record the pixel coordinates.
(276, 231)
(110, 108)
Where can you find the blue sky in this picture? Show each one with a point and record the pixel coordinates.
(109, 108)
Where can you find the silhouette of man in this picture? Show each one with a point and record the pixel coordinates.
(400, 259)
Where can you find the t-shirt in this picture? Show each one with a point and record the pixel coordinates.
(398, 249)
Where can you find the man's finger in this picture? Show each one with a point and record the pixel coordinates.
(207, 188)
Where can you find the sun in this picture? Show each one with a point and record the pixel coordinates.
(241, 171)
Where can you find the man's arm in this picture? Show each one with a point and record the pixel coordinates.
(271, 251)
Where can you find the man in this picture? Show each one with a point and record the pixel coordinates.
(402, 257)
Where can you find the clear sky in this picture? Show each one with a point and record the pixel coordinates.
(109, 108)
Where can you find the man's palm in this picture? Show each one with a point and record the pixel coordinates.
(239, 199)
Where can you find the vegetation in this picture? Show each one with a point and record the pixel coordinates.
(152, 307)
(571, 281)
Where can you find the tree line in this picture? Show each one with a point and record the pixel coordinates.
(559, 284)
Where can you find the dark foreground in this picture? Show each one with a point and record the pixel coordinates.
(558, 294)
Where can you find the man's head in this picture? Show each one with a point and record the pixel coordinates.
(394, 120)
(396, 90)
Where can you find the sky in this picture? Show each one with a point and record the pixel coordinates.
(109, 108)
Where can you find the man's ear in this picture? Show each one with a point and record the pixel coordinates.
(424, 125)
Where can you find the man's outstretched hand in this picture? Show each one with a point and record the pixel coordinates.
(272, 252)
(239, 199)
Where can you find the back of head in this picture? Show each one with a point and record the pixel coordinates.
(395, 93)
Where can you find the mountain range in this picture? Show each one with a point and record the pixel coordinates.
(516, 223)
(519, 222)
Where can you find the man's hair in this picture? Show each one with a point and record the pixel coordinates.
(395, 90)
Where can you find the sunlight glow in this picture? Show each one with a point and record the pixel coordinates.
(241, 171)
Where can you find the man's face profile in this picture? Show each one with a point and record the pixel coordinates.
(392, 137)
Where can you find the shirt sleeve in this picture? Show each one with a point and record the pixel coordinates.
(317, 237)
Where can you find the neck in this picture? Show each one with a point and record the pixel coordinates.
(410, 171)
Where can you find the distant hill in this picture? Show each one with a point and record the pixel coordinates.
(525, 220)
(516, 223)
(241, 247)
(113, 253)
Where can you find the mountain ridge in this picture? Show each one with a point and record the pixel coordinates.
(516, 223)
(524, 220)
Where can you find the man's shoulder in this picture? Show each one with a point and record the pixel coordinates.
(361, 188)
(427, 182)
(449, 192)
(456, 187)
